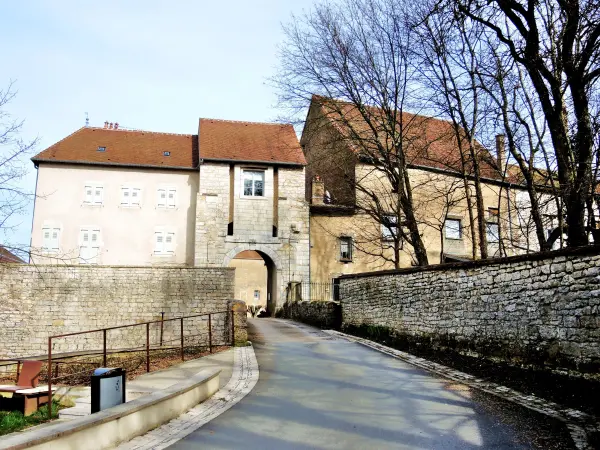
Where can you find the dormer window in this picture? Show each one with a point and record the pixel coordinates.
(167, 153)
(101, 149)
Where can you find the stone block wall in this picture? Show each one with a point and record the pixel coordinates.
(288, 252)
(325, 315)
(541, 309)
(41, 301)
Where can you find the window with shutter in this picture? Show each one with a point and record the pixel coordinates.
(93, 194)
(171, 198)
(162, 198)
(164, 243)
(50, 239)
(89, 248)
(131, 196)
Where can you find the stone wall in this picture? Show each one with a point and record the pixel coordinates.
(287, 253)
(41, 301)
(541, 309)
(325, 315)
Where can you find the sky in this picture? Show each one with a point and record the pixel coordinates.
(151, 65)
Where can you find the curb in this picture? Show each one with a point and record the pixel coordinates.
(243, 379)
(579, 424)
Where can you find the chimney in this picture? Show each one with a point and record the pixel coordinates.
(318, 191)
(106, 124)
(500, 152)
(110, 126)
(116, 125)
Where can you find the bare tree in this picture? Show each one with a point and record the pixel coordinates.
(358, 52)
(451, 52)
(557, 44)
(14, 199)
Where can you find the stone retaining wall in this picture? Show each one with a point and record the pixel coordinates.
(321, 314)
(541, 309)
(41, 301)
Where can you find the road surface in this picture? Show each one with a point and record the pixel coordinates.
(320, 392)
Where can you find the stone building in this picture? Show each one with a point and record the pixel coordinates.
(345, 188)
(112, 196)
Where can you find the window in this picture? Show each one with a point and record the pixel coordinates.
(164, 243)
(130, 196)
(166, 153)
(254, 182)
(345, 248)
(101, 149)
(93, 194)
(389, 227)
(50, 239)
(452, 229)
(256, 295)
(492, 232)
(166, 198)
(89, 245)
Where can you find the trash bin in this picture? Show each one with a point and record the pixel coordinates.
(108, 388)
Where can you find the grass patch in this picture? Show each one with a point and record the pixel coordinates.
(11, 421)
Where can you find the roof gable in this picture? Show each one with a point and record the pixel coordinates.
(249, 141)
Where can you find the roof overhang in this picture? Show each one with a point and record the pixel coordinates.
(37, 161)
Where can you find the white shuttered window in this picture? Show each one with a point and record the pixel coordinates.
(166, 198)
(130, 196)
(89, 245)
(164, 243)
(94, 194)
(50, 239)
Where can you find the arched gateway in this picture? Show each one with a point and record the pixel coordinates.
(251, 197)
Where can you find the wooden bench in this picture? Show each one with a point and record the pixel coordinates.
(26, 400)
(26, 393)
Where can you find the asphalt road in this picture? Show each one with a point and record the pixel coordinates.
(317, 392)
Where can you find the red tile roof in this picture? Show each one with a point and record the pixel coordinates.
(219, 140)
(7, 257)
(249, 141)
(124, 147)
(429, 142)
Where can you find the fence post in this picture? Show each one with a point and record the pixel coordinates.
(49, 378)
(209, 334)
(162, 321)
(104, 348)
(147, 347)
(232, 328)
(182, 355)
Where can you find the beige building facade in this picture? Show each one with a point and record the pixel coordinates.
(346, 235)
(110, 196)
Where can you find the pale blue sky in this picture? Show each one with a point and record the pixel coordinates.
(153, 65)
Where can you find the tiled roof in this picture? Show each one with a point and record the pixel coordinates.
(428, 142)
(249, 141)
(8, 257)
(124, 147)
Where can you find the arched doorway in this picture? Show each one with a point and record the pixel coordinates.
(255, 278)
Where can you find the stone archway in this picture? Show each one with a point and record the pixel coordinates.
(272, 262)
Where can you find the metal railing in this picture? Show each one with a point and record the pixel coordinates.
(313, 292)
(149, 330)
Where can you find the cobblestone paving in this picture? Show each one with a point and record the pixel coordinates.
(580, 424)
(244, 377)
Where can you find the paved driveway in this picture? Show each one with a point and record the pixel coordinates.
(316, 392)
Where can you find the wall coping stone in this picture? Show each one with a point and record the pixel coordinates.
(589, 250)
